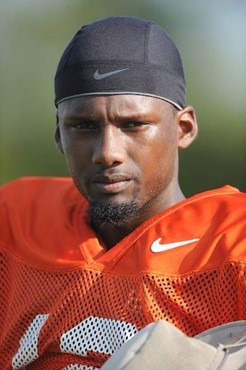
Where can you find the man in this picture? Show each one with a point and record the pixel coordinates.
(85, 267)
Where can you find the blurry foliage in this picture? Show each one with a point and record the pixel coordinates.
(209, 34)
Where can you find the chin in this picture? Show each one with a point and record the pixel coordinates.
(112, 213)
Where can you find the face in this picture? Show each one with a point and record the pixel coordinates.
(121, 149)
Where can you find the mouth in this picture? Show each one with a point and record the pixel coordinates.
(112, 184)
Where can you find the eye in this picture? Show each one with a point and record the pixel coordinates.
(133, 125)
(84, 126)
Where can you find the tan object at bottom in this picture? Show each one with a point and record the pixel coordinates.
(160, 345)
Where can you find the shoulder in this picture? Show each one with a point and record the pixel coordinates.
(225, 204)
(226, 193)
(39, 192)
(219, 201)
(29, 206)
(217, 211)
(202, 232)
(222, 205)
(30, 194)
(31, 186)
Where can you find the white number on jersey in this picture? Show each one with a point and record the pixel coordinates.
(94, 334)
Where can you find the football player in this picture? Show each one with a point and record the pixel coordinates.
(88, 261)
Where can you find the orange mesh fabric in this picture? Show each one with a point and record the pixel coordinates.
(68, 303)
(73, 307)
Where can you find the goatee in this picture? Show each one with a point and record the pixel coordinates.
(113, 215)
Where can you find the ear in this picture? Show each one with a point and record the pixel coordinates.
(187, 127)
(58, 136)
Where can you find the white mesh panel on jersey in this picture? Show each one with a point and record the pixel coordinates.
(79, 367)
(28, 350)
(98, 335)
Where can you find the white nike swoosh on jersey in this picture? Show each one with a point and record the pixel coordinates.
(157, 247)
(100, 76)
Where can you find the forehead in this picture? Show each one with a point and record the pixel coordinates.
(114, 105)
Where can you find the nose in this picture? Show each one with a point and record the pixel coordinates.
(110, 147)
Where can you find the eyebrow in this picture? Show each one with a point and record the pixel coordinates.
(117, 118)
(80, 118)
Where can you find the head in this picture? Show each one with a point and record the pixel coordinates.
(120, 93)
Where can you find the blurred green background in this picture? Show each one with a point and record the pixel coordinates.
(211, 38)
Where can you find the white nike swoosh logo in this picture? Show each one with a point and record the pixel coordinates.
(100, 76)
(158, 247)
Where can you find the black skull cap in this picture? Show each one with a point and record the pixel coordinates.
(121, 55)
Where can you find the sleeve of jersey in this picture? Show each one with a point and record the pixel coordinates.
(16, 212)
(35, 218)
(5, 216)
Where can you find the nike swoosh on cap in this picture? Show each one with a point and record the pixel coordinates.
(157, 247)
(100, 76)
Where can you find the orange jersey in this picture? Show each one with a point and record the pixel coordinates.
(69, 303)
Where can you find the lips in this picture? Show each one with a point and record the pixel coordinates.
(111, 184)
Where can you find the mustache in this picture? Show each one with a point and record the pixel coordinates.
(109, 176)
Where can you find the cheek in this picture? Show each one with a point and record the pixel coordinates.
(159, 162)
(76, 158)
(160, 152)
(75, 152)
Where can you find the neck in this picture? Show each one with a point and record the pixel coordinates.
(112, 234)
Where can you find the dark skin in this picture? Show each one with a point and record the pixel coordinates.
(122, 148)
